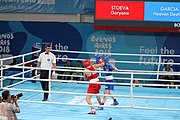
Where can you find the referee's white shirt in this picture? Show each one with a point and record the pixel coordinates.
(47, 60)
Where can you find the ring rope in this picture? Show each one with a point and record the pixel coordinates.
(4, 67)
(115, 77)
(131, 62)
(26, 54)
(138, 73)
(134, 107)
(85, 94)
(103, 77)
(119, 54)
(87, 82)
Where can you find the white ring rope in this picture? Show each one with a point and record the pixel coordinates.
(85, 94)
(136, 73)
(163, 73)
(20, 82)
(4, 67)
(69, 81)
(134, 107)
(116, 78)
(86, 82)
(118, 54)
(119, 70)
(2, 59)
(129, 62)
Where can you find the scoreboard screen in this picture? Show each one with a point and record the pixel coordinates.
(138, 15)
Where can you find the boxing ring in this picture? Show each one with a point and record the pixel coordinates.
(67, 97)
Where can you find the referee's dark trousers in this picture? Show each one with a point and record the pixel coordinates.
(44, 74)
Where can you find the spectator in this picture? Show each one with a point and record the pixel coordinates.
(78, 64)
(27, 64)
(168, 77)
(15, 62)
(68, 64)
(8, 110)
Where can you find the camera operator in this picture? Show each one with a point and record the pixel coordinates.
(9, 106)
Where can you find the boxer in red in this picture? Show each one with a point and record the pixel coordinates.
(92, 77)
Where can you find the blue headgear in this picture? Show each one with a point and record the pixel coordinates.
(106, 60)
(98, 57)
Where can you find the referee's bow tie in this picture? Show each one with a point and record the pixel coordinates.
(46, 53)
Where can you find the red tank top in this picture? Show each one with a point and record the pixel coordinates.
(92, 75)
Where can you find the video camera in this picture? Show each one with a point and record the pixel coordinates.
(17, 95)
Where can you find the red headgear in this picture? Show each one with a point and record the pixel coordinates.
(86, 63)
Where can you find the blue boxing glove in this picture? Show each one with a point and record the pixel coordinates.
(98, 57)
(106, 60)
(109, 67)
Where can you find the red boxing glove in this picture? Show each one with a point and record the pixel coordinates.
(101, 61)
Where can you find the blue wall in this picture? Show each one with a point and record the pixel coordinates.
(19, 37)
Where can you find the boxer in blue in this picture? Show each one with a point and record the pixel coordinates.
(109, 78)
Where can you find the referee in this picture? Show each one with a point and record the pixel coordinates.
(46, 60)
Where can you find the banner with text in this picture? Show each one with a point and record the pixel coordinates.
(162, 11)
(19, 37)
(48, 6)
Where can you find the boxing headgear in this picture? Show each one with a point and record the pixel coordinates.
(106, 59)
(98, 57)
(86, 63)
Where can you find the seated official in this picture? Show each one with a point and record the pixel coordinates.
(78, 64)
(68, 64)
(168, 77)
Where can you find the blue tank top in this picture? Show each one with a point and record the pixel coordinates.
(108, 68)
